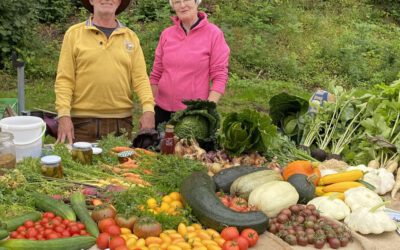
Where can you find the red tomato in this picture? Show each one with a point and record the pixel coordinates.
(65, 222)
(14, 234)
(243, 243)
(21, 229)
(19, 236)
(103, 241)
(250, 235)
(105, 223)
(59, 229)
(29, 224)
(230, 245)
(113, 230)
(229, 233)
(65, 234)
(116, 242)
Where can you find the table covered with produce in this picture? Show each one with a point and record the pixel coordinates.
(307, 175)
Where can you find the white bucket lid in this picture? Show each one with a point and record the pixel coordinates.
(21, 123)
(97, 151)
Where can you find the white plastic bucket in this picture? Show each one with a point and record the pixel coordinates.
(28, 132)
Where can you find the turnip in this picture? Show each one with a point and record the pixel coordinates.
(373, 164)
(318, 154)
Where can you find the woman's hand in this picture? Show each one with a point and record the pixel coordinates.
(214, 96)
(65, 130)
(147, 120)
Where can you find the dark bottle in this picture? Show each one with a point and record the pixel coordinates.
(168, 142)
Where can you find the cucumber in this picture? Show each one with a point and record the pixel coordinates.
(48, 204)
(72, 243)
(4, 234)
(79, 206)
(224, 179)
(198, 191)
(14, 223)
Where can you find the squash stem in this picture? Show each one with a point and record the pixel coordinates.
(373, 209)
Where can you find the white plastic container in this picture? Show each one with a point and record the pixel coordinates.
(28, 132)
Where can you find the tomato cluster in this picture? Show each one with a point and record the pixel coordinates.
(238, 241)
(237, 204)
(49, 227)
(110, 235)
(303, 225)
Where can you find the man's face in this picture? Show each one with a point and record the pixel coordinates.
(105, 6)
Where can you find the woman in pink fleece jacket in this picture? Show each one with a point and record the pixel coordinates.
(191, 61)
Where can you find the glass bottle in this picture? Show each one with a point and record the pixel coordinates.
(7, 152)
(51, 166)
(168, 142)
(82, 152)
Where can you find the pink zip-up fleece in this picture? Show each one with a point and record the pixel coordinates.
(187, 67)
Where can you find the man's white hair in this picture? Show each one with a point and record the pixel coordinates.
(197, 2)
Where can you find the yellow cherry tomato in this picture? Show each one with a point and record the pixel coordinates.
(165, 238)
(213, 233)
(173, 247)
(182, 229)
(125, 231)
(169, 231)
(175, 196)
(140, 243)
(196, 226)
(167, 199)
(151, 203)
(131, 243)
(190, 229)
(184, 245)
(176, 204)
(164, 207)
(153, 240)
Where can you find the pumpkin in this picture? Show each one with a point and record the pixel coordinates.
(302, 167)
(243, 185)
(273, 196)
(303, 186)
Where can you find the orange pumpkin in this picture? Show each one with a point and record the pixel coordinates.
(302, 167)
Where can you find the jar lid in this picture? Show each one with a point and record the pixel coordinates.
(97, 151)
(82, 145)
(127, 153)
(169, 126)
(51, 159)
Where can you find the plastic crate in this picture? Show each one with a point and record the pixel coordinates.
(4, 102)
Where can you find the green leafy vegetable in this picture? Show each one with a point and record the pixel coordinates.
(246, 132)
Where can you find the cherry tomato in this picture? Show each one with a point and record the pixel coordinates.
(103, 241)
(116, 242)
(31, 233)
(74, 229)
(123, 247)
(21, 229)
(53, 236)
(65, 234)
(80, 226)
(49, 215)
(250, 235)
(230, 245)
(29, 224)
(229, 233)
(14, 234)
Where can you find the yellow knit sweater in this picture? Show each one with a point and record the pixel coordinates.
(96, 76)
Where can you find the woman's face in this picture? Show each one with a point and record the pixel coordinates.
(105, 6)
(186, 10)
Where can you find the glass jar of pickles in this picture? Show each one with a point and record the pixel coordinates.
(7, 152)
(51, 166)
(82, 152)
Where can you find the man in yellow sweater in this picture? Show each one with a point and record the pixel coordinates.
(101, 64)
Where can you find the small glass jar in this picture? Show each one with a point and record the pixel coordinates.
(82, 152)
(168, 142)
(7, 152)
(51, 166)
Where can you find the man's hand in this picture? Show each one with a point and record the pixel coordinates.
(147, 120)
(65, 130)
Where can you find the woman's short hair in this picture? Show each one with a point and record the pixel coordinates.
(196, 1)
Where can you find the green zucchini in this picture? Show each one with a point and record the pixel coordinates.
(224, 179)
(79, 206)
(4, 234)
(15, 222)
(48, 204)
(198, 191)
(72, 243)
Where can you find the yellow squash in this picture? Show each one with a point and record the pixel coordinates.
(341, 186)
(352, 175)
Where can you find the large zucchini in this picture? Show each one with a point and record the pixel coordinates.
(224, 179)
(198, 191)
(3, 234)
(48, 204)
(72, 243)
(15, 222)
(79, 206)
